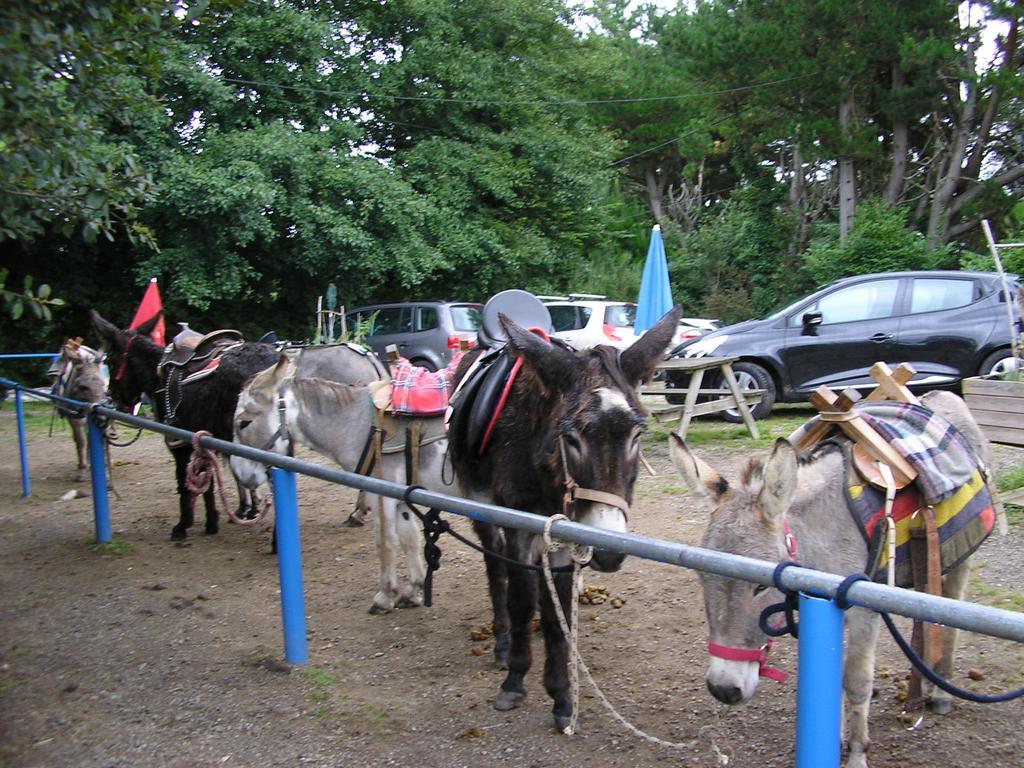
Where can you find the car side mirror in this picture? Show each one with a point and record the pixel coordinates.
(811, 318)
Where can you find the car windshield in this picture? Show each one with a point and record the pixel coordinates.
(466, 318)
(620, 315)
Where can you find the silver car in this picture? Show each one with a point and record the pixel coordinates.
(427, 333)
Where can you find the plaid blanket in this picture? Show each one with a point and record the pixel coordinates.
(950, 480)
(942, 457)
(416, 391)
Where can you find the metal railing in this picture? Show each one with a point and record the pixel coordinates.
(820, 649)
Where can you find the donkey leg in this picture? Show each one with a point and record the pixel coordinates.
(492, 539)
(858, 681)
(185, 517)
(212, 516)
(410, 536)
(522, 598)
(78, 433)
(386, 539)
(358, 516)
(556, 662)
(954, 585)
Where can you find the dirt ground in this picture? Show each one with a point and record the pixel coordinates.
(157, 653)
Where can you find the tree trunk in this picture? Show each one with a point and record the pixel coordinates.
(655, 193)
(847, 182)
(900, 143)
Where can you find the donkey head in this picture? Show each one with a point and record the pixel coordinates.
(257, 422)
(580, 417)
(746, 519)
(132, 358)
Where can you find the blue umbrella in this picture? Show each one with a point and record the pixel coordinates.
(655, 297)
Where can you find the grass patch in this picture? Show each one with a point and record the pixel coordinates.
(38, 416)
(997, 597)
(116, 547)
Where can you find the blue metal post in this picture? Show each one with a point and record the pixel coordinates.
(289, 565)
(26, 485)
(820, 683)
(98, 472)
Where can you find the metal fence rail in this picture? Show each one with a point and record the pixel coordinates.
(820, 655)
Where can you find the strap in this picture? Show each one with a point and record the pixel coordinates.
(890, 524)
(925, 561)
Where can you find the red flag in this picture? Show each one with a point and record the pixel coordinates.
(149, 306)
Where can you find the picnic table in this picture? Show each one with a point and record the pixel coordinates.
(729, 398)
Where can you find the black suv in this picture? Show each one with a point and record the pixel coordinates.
(947, 325)
(427, 333)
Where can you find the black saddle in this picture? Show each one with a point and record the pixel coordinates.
(195, 357)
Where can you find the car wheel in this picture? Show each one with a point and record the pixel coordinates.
(752, 376)
(676, 382)
(1000, 361)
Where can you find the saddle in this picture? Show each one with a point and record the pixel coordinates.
(475, 404)
(190, 357)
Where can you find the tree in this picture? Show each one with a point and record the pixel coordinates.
(74, 79)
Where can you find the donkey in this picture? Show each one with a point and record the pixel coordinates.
(342, 363)
(78, 375)
(567, 441)
(337, 421)
(206, 404)
(802, 499)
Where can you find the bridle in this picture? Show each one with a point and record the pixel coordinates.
(282, 431)
(760, 655)
(124, 358)
(574, 492)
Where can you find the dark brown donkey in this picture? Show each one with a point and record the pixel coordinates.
(205, 404)
(572, 419)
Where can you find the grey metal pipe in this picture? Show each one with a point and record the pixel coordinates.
(955, 613)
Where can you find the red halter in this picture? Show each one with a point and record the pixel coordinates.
(124, 358)
(760, 655)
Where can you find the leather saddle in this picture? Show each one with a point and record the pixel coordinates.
(189, 358)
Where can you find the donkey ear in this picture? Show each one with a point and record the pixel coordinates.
(551, 362)
(146, 327)
(698, 474)
(107, 330)
(639, 361)
(283, 368)
(779, 480)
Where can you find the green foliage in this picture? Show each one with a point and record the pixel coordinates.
(880, 241)
(73, 75)
(38, 301)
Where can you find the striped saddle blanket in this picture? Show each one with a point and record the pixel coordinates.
(950, 479)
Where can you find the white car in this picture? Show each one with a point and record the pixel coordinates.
(585, 320)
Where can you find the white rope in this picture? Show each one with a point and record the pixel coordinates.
(581, 556)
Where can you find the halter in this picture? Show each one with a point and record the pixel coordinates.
(282, 427)
(573, 491)
(124, 358)
(760, 655)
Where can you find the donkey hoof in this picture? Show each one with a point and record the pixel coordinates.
(563, 723)
(178, 534)
(381, 604)
(354, 521)
(509, 700)
(408, 602)
(211, 529)
(940, 706)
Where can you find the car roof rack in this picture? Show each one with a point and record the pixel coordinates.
(574, 297)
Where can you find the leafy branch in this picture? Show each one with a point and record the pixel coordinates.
(38, 301)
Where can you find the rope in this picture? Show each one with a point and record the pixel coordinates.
(203, 470)
(580, 556)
